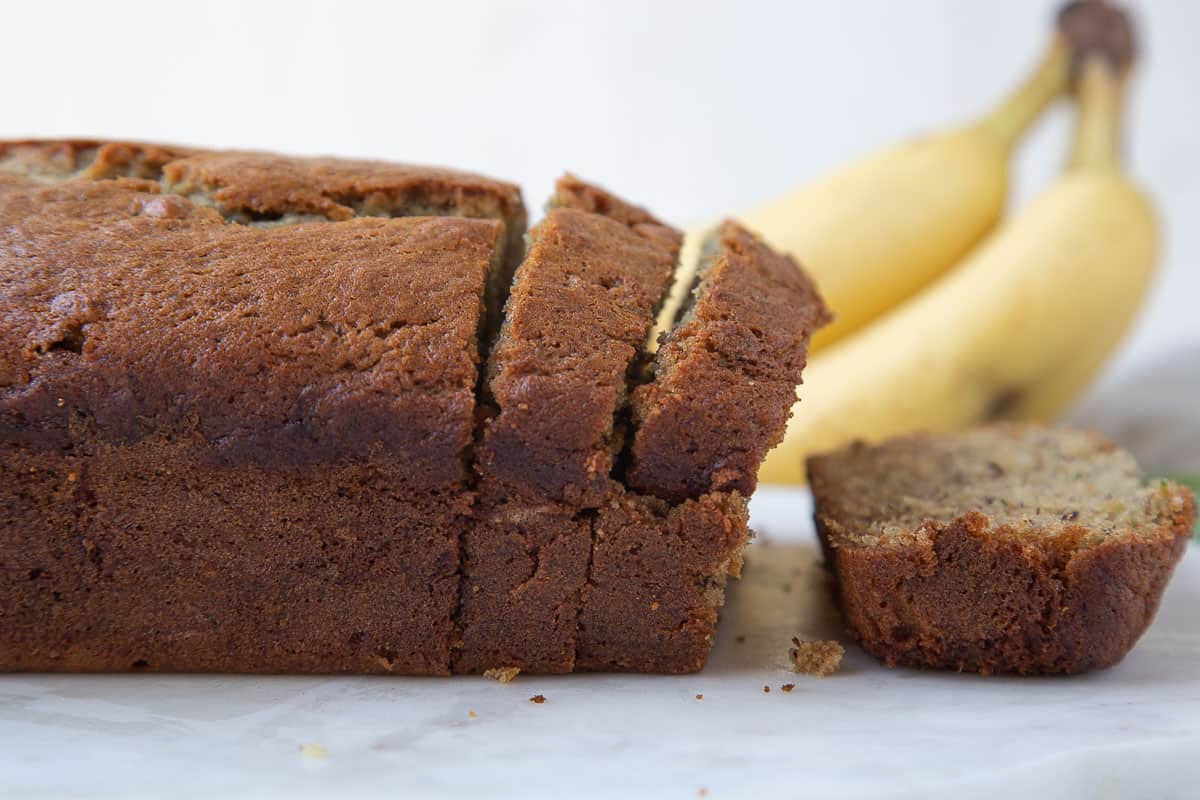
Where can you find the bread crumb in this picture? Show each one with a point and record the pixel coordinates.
(502, 674)
(538, 698)
(702, 793)
(699, 697)
(787, 687)
(472, 714)
(766, 690)
(313, 751)
(654, 606)
(820, 658)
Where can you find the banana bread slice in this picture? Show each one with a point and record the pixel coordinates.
(578, 315)
(1001, 549)
(229, 447)
(723, 382)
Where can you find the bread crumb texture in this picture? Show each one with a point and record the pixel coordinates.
(1005, 548)
(502, 674)
(818, 658)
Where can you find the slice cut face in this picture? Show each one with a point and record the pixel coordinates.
(577, 318)
(723, 382)
(1005, 548)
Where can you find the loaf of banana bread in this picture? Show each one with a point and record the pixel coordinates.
(270, 414)
(1006, 548)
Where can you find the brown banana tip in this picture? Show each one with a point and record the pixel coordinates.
(1097, 28)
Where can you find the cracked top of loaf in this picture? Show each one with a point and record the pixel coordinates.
(128, 311)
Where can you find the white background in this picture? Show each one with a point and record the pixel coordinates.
(695, 109)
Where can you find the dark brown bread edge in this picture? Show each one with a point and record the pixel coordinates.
(967, 596)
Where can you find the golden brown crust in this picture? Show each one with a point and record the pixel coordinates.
(251, 187)
(969, 594)
(88, 158)
(724, 380)
(572, 192)
(265, 185)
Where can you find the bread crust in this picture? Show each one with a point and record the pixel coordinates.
(972, 595)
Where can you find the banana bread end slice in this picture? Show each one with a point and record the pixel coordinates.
(1005, 548)
(723, 382)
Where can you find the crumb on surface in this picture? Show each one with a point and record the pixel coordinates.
(703, 792)
(502, 674)
(538, 698)
(472, 714)
(766, 689)
(699, 697)
(787, 687)
(313, 751)
(820, 658)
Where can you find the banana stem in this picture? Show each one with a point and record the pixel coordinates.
(1097, 142)
(1018, 111)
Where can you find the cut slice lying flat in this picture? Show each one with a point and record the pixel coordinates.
(1001, 549)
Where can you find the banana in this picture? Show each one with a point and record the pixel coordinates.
(876, 232)
(1017, 328)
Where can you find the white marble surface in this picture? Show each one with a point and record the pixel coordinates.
(1129, 732)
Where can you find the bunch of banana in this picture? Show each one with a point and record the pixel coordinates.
(1022, 323)
(876, 232)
